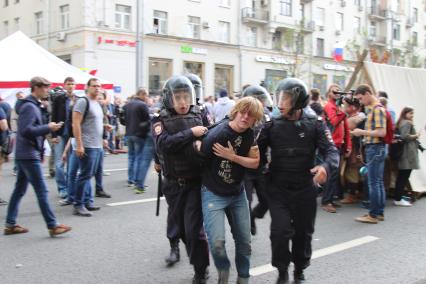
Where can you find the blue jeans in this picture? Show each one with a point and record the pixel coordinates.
(88, 166)
(30, 171)
(236, 209)
(376, 155)
(60, 175)
(72, 170)
(139, 159)
(99, 173)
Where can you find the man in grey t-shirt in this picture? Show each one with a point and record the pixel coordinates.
(88, 132)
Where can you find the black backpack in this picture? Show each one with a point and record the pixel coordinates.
(86, 111)
(397, 146)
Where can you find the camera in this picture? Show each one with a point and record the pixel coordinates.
(56, 92)
(348, 97)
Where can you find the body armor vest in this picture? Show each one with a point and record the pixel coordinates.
(180, 164)
(293, 147)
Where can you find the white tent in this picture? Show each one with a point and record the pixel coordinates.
(21, 59)
(405, 87)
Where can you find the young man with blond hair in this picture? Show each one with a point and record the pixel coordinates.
(230, 148)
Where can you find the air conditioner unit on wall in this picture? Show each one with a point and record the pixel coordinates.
(61, 36)
(206, 25)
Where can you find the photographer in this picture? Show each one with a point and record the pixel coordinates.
(409, 159)
(337, 122)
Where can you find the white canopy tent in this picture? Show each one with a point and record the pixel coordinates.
(21, 59)
(405, 87)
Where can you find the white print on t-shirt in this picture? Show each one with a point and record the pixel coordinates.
(225, 167)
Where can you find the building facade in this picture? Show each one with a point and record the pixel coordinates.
(228, 43)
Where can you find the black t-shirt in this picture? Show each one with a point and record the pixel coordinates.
(222, 176)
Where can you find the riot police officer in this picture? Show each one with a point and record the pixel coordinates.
(175, 129)
(198, 87)
(255, 178)
(293, 138)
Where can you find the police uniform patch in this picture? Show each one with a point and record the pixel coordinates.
(158, 128)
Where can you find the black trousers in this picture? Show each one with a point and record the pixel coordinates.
(185, 220)
(256, 182)
(293, 213)
(401, 183)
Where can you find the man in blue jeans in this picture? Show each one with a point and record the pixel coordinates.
(29, 154)
(375, 130)
(88, 131)
(230, 148)
(137, 121)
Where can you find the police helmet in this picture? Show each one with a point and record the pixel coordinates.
(178, 88)
(259, 93)
(295, 88)
(197, 83)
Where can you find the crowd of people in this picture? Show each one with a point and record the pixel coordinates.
(346, 149)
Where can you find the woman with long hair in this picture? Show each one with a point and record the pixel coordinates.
(409, 159)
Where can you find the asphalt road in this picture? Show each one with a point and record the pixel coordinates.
(127, 243)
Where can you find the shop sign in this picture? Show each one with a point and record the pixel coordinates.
(116, 42)
(338, 67)
(273, 59)
(194, 50)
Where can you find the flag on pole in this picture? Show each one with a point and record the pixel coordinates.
(338, 52)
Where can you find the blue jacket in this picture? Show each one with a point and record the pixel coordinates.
(31, 130)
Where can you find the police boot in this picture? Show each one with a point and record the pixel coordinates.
(174, 253)
(223, 276)
(299, 277)
(283, 277)
(200, 276)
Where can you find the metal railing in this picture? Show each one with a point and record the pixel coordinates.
(255, 14)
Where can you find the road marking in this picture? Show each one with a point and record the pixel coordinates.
(116, 170)
(259, 270)
(134, 201)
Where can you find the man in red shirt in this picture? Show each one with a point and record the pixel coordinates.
(336, 120)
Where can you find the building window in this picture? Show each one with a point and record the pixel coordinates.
(272, 78)
(251, 36)
(66, 58)
(225, 3)
(339, 21)
(320, 47)
(6, 3)
(357, 3)
(39, 22)
(414, 39)
(123, 16)
(277, 40)
(222, 78)
(6, 27)
(339, 80)
(196, 68)
(224, 28)
(16, 23)
(415, 15)
(64, 12)
(285, 7)
(320, 16)
(160, 22)
(357, 24)
(396, 32)
(320, 82)
(373, 29)
(159, 71)
(193, 28)
(16, 1)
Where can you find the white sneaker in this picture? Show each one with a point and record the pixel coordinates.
(403, 203)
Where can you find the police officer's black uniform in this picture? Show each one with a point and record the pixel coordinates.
(182, 176)
(291, 193)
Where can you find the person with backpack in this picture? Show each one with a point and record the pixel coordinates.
(29, 156)
(409, 159)
(336, 120)
(373, 134)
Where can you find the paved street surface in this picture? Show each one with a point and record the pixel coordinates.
(127, 243)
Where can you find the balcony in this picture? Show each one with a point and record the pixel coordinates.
(305, 1)
(307, 26)
(250, 15)
(377, 13)
(377, 40)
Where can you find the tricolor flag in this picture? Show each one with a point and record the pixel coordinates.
(338, 52)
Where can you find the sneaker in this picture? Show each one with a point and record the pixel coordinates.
(381, 217)
(403, 203)
(82, 211)
(106, 174)
(65, 202)
(93, 208)
(367, 218)
(139, 190)
(3, 202)
(283, 277)
(299, 277)
(102, 194)
(349, 199)
(130, 184)
(52, 173)
(15, 230)
(329, 208)
(63, 194)
(59, 229)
